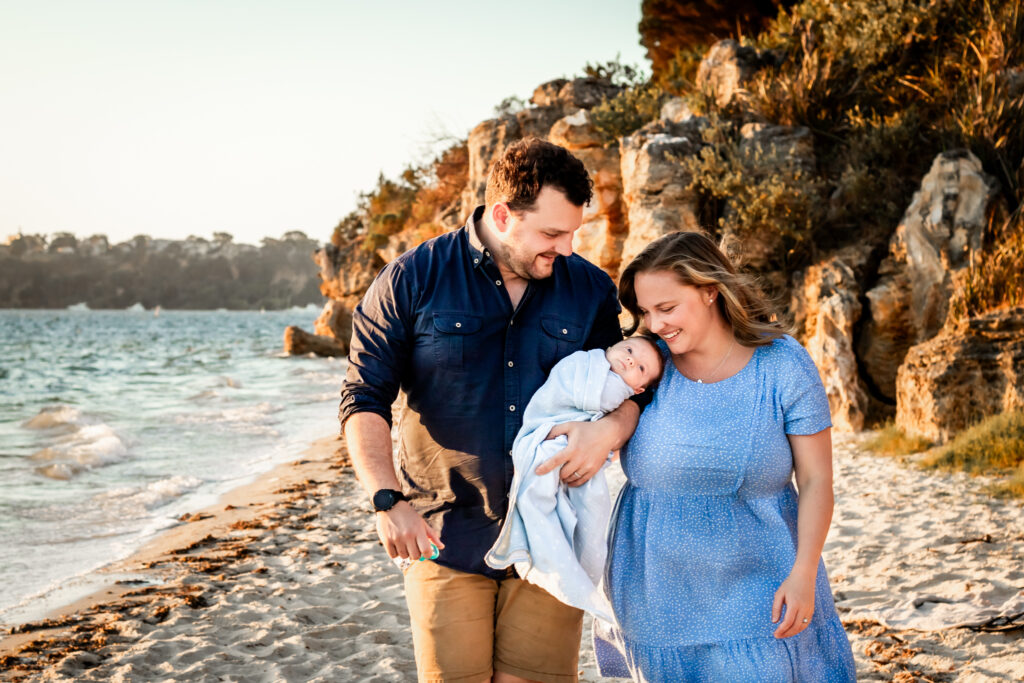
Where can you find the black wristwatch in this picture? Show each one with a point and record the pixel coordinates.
(385, 499)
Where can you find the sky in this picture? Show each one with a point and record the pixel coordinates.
(256, 117)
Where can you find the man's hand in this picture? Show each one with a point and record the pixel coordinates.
(405, 534)
(589, 445)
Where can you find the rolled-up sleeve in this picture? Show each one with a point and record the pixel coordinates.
(379, 351)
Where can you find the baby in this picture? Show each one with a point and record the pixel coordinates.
(555, 534)
(637, 361)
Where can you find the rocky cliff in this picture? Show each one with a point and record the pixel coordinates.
(844, 156)
(196, 273)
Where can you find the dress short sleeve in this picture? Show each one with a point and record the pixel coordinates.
(804, 403)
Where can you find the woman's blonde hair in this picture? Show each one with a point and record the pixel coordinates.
(696, 260)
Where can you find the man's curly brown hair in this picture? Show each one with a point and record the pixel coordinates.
(530, 164)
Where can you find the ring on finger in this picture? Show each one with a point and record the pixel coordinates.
(576, 474)
(806, 621)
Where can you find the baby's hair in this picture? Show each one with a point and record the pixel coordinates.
(652, 339)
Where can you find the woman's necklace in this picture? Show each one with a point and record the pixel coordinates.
(720, 363)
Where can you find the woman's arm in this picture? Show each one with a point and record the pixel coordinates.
(812, 461)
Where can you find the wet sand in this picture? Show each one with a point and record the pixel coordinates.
(284, 579)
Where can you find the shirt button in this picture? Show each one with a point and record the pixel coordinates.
(497, 282)
(510, 363)
(512, 408)
(510, 452)
(564, 331)
(475, 261)
(458, 324)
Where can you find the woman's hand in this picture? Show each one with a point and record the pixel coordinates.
(797, 594)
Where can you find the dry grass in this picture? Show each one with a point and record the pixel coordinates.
(891, 440)
(996, 280)
(995, 446)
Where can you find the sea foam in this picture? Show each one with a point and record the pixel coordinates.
(84, 443)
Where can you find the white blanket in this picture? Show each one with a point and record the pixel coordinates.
(555, 535)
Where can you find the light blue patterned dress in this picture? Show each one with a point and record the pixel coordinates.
(705, 531)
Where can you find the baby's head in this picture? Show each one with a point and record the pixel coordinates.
(637, 361)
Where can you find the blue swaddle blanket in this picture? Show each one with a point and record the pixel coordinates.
(555, 535)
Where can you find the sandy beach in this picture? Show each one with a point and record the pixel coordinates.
(284, 579)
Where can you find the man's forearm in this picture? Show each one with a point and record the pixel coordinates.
(369, 445)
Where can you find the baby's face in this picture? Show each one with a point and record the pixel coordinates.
(636, 361)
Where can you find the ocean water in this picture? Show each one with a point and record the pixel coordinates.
(114, 423)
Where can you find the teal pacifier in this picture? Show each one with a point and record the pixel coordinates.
(435, 553)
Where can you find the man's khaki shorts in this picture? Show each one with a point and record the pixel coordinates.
(466, 626)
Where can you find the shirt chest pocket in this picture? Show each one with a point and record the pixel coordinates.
(560, 338)
(451, 335)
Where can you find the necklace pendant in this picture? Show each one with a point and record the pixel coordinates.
(700, 381)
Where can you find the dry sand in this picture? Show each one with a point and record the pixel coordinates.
(284, 580)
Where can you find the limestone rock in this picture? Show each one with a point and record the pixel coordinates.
(675, 110)
(298, 342)
(553, 101)
(655, 186)
(962, 375)
(570, 95)
(346, 271)
(938, 236)
(600, 237)
(727, 67)
(485, 143)
(826, 304)
(335, 321)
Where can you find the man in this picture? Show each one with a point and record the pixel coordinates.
(468, 325)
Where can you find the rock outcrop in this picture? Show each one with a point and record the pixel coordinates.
(298, 342)
(552, 101)
(962, 375)
(726, 69)
(939, 235)
(655, 188)
(604, 228)
(826, 305)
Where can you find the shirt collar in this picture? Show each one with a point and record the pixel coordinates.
(477, 252)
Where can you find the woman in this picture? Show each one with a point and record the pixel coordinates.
(715, 570)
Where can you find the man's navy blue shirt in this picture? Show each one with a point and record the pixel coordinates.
(438, 323)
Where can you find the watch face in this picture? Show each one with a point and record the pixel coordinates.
(385, 499)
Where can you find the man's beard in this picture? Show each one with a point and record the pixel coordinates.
(524, 268)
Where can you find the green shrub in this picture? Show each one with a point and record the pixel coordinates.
(638, 101)
(748, 189)
(628, 111)
(412, 202)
